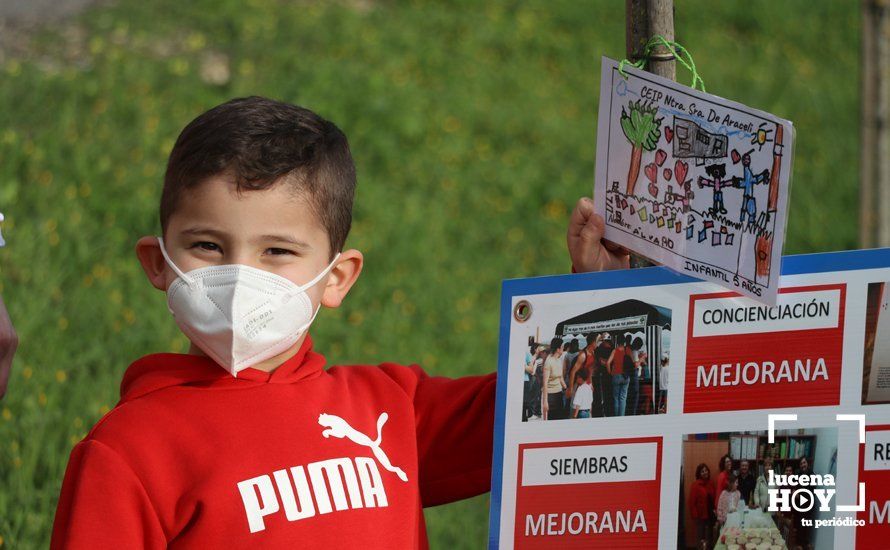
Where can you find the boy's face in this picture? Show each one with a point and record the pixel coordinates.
(272, 229)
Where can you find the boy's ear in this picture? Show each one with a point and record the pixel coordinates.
(342, 277)
(149, 253)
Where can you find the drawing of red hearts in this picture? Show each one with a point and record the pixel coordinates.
(652, 172)
(653, 190)
(660, 156)
(669, 134)
(680, 169)
(667, 174)
(736, 157)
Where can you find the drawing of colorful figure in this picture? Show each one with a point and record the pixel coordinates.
(684, 198)
(747, 183)
(716, 171)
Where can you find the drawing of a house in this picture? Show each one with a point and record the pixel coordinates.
(692, 141)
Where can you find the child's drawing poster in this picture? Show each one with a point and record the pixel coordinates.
(693, 181)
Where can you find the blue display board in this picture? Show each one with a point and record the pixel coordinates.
(677, 373)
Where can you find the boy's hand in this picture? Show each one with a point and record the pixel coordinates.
(587, 249)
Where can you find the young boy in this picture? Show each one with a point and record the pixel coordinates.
(247, 440)
(583, 399)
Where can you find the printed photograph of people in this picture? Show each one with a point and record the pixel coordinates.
(611, 361)
(725, 480)
(876, 370)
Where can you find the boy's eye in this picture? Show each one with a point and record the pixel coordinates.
(206, 245)
(278, 251)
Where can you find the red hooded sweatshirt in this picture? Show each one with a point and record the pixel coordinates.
(298, 458)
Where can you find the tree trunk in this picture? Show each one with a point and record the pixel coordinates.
(874, 198)
(644, 19)
(634, 171)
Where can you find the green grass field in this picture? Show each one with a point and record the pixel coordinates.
(473, 128)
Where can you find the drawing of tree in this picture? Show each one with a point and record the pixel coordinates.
(643, 131)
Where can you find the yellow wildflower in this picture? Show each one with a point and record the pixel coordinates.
(129, 315)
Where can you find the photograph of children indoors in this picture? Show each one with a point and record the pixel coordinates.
(724, 489)
(611, 361)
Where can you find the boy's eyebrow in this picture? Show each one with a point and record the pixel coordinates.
(204, 231)
(286, 239)
(262, 238)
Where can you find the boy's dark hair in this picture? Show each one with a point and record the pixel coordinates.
(583, 374)
(555, 344)
(256, 142)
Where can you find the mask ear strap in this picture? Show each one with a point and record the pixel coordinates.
(318, 277)
(182, 275)
(307, 325)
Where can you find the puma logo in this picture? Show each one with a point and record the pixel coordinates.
(337, 427)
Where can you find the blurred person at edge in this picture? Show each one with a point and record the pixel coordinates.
(9, 341)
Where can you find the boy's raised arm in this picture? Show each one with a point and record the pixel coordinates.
(455, 431)
(455, 417)
(103, 504)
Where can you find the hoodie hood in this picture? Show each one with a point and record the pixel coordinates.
(163, 370)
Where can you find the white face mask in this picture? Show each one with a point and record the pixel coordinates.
(240, 315)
